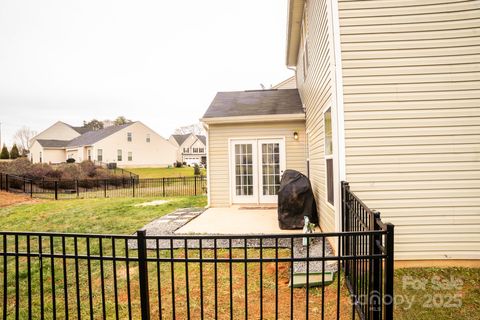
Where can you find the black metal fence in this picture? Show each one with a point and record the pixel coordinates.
(50, 275)
(369, 280)
(56, 275)
(105, 188)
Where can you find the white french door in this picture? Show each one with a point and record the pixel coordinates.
(256, 169)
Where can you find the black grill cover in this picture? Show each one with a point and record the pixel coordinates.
(295, 200)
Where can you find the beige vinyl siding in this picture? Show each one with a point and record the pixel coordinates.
(290, 83)
(156, 153)
(218, 151)
(317, 95)
(411, 75)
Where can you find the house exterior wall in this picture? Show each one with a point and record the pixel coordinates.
(290, 83)
(48, 155)
(218, 152)
(316, 89)
(193, 157)
(411, 74)
(75, 153)
(58, 131)
(157, 153)
(176, 145)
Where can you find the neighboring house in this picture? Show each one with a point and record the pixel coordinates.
(391, 95)
(253, 136)
(129, 145)
(191, 148)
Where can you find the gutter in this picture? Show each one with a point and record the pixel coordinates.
(254, 119)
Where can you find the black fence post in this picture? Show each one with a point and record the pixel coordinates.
(195, 182)
(143, 274)
(105, 188)
(345, 225)
(6, 182)
(31, 188)
(163, 184)
(375, 273)
(133, 188)
(76, 188)
(1, 181)
(389, 271)
(56, 190)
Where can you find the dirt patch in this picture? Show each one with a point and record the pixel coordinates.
(152, 203)
(9, 199)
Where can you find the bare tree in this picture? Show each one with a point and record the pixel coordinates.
(22, 138)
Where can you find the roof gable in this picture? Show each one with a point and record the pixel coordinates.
(181, 138)
(202, 139)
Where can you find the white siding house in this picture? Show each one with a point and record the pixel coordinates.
(397, 83)
(129, 145)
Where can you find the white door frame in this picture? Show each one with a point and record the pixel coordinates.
(256, 198)
(269, 198)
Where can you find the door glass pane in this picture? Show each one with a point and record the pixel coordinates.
(243, 170)
(271, 168)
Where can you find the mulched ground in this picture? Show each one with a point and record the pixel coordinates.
(8, 199)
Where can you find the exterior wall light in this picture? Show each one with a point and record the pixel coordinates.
(295, 135)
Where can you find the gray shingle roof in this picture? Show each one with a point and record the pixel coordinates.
(91, 137)
(50, 143)
(81, 130)
(180, 138)
(255, 102)
(202, 138)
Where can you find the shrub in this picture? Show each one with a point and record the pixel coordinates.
(19, 167)
(88, 169)
(70, 160)
(196, 169)
(14, 154)
(178, 164)
(4, 154)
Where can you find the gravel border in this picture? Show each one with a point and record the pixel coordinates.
(168, 224)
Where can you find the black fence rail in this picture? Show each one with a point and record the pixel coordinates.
(105, 188)
(53, 275)
(117, 171)
(370, 281)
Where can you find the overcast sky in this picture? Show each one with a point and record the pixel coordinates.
(159, 62)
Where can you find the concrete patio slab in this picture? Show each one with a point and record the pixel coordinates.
(235, 220)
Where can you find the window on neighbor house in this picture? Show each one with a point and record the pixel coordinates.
(40, 157)
(99, 155)
(327, 125)
(129, 136)
(89, 155)
(201, 150)
(130, 156)
(119, 155)
(185, 150)
(195, 150)
(148, 137)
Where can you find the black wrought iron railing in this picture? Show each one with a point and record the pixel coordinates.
(105, 188)
(370, 281)
(54, 275)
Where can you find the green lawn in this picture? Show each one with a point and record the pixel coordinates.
(437, 293)
(421, 293)
(164, 172)
(112, 215)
